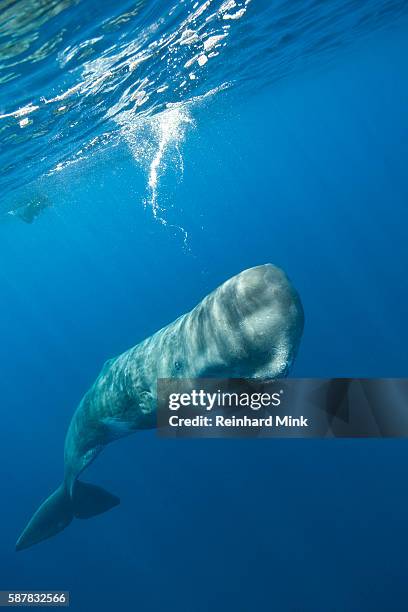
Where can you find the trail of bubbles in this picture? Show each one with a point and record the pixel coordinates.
(155, 143)
(169, 129)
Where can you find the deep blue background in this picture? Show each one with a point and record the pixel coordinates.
(310, 175)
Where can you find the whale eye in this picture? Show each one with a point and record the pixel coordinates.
(177, 365)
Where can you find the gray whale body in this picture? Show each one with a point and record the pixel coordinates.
(250, 327)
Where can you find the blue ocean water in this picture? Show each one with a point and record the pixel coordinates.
(288, 146)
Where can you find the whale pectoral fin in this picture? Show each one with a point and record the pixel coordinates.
(89, 500)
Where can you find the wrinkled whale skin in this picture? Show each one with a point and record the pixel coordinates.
(249, 327)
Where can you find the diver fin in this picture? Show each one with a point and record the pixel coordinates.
(89, 500)
(54, 514)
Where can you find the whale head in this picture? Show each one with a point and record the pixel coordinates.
(272, 320)
(254, 324)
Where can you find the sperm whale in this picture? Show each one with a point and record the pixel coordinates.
(249, 327)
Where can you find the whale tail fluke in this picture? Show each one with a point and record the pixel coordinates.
(89, 500)
(58, 510)
(54, 514)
